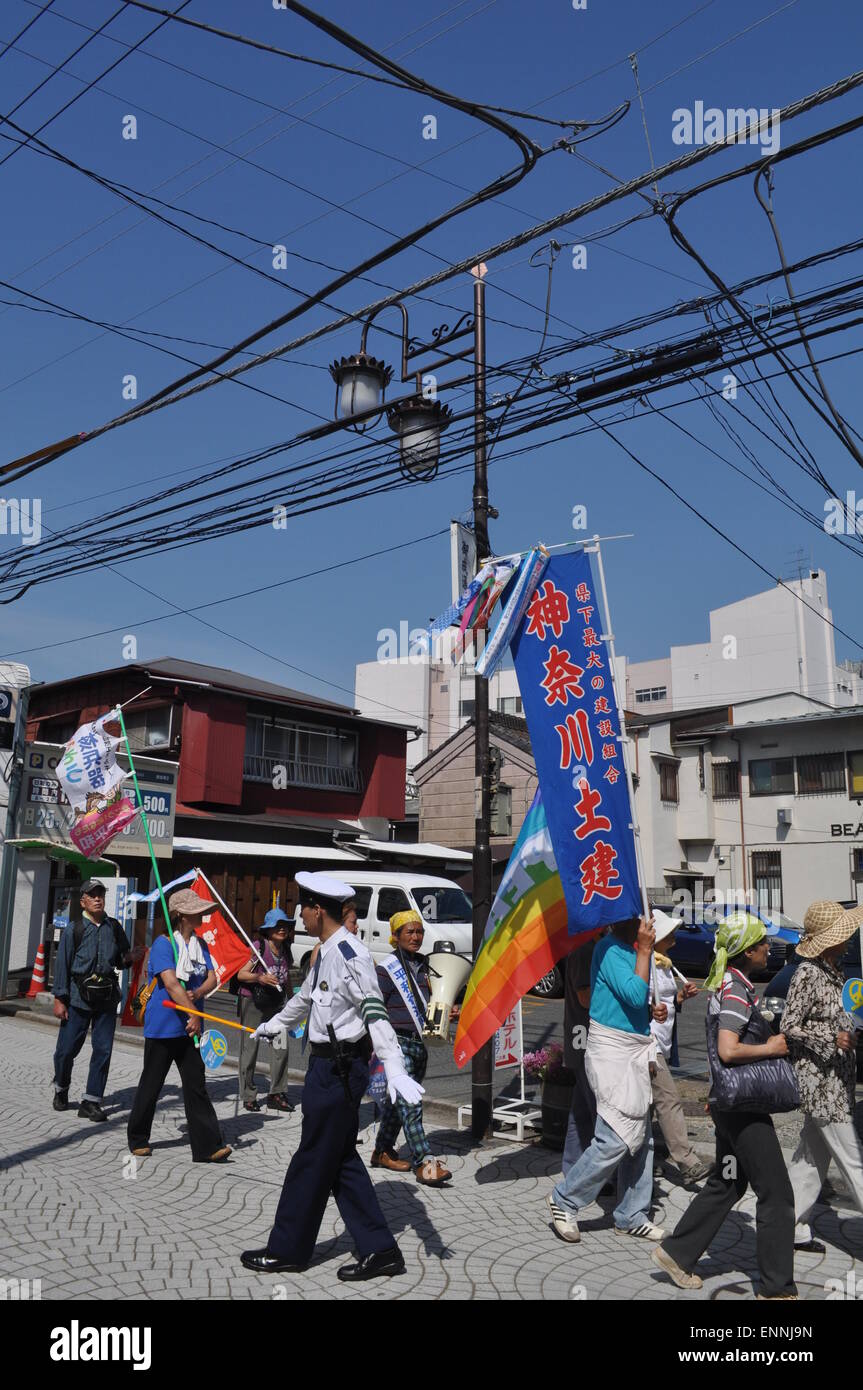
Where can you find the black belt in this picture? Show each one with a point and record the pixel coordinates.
(361, 1048)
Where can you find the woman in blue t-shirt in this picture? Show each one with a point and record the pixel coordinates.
(169, 1036)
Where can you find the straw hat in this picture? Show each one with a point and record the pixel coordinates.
(827, 924)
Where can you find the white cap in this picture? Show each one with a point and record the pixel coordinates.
(328, 887)
(664, 925)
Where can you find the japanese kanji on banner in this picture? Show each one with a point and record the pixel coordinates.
(507, 1043)
(568, 699)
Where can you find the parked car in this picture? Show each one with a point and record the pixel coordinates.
(693, 947)
(444, 907)
(777, 991)
(551, 986)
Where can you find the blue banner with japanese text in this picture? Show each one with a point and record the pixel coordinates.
(565, 680)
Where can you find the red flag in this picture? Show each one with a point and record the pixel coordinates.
(228, 950)
(128, 1019)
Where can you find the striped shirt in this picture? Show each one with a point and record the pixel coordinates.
(733, 1001)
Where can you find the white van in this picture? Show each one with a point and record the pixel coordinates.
(445, 909)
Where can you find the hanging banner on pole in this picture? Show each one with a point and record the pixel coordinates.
(463, 556)
(568, 698)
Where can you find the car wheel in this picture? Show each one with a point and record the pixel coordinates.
(551, 985)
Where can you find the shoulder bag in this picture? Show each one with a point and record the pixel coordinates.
(766, 1087)
(265, 998)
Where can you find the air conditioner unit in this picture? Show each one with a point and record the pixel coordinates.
(784, 815)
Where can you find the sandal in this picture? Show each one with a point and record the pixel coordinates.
(251, 1105)
(279, 1102)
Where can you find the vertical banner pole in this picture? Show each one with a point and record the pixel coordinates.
(146, 823)
(156, 873)
(521, 1052)
(608, 638)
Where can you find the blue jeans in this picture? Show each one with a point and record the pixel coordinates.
(582, 1120)
(606, 1155)
(73, 1032)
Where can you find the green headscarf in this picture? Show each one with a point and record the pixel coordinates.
(737, 933)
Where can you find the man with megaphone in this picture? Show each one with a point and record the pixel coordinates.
(405, 986)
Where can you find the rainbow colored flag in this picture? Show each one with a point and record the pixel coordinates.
(525, 936)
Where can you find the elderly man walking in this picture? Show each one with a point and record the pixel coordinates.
(620, 1050)
(86, 992)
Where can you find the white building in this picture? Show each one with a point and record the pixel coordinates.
(763, 796)
(433, 694)
(760, 646)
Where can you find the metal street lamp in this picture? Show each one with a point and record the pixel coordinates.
(419, 420)
(361, 383)
(419, 423)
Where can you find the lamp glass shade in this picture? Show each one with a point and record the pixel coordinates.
(420, 442)
(360, 389)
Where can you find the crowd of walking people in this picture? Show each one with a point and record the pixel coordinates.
(623, 1001)
(631, 995)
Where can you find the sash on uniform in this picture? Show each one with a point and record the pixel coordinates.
(399, 976)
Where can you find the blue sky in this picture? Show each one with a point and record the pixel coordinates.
(79, 245)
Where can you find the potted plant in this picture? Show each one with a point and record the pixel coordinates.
(557, 1082)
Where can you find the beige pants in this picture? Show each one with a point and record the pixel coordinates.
(821, 1140)
(669, 1113)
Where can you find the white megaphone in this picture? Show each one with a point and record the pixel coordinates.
(448, 974)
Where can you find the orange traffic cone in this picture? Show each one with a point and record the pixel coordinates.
(37, 984)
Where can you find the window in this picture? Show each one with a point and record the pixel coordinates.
(821, 772)
(855, 774)
(443, 905)
(501, 811)
(770, 776)
(767, 878)
(668, 782)
(726, 780)
(363, 898)
(651, 693)
(391, 900)
(311, 755)
(149, 728)
(465, 709)
(509, 704)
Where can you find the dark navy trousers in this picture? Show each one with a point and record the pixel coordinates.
(327, 1161)
(71, 1036)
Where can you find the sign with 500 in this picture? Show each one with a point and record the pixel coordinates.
(44, 812)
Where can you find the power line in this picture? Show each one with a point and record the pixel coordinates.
(694, 156)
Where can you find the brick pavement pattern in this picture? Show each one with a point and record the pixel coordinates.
(92, 1223)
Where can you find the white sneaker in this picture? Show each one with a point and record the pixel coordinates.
(564, 1223)
(646, 1230)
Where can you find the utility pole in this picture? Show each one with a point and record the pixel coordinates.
(482, 1067)
(9, 871)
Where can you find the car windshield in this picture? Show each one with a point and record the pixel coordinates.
(443, 904)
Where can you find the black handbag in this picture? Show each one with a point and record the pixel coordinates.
(768, 1087)
(267, 1000)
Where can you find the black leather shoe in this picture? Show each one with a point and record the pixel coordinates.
(61, 1100)
(91, 1110)
(383, 1263)
(262, 1262)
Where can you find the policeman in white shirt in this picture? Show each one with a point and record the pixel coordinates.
(346, 1018)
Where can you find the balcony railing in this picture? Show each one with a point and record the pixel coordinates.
(294, 773)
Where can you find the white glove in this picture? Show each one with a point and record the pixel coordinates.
(261, 1033)
(405, 1086)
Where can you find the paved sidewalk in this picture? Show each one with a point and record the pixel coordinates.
(83, 1218)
